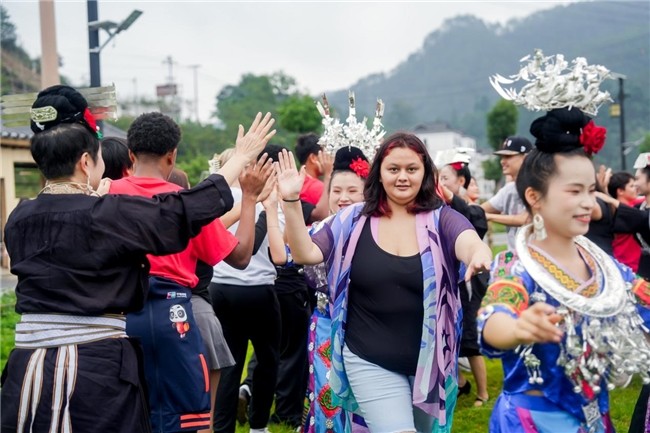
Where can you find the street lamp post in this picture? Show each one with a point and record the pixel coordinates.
(93, 42)
(94, 25)
(618, 110)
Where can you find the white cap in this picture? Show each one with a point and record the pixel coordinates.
(643, 160)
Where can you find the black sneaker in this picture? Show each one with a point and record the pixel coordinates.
(242, 405)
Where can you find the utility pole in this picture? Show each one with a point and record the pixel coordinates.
(170, 63)
(196, 92)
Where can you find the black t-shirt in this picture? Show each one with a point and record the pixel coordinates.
(385, 299)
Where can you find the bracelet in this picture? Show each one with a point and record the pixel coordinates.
(292, 200)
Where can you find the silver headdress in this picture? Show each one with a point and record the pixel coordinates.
(351, 133)
(552, 84)
(17, 109)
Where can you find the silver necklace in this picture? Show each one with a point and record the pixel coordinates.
(609, 302)
(604, 341)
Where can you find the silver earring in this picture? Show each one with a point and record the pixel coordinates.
(538, 227)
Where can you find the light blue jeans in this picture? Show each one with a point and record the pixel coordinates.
(385, 398)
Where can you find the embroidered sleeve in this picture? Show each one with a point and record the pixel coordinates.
(641, 290)
(506, 294)
(506, 288)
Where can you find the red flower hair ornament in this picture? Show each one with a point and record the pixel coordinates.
(593, 137)
(457, 165)
(360, 167)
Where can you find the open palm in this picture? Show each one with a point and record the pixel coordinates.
(290, 180)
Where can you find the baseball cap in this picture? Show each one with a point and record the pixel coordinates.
(514, 145)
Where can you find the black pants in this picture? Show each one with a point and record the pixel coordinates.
(295, 311)
(247, 313)
(109, 390)
(639, 415)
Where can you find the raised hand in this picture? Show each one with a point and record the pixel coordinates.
(325, 163)
(536, 324)
(271, 200)
(289, 179)
(254, 177)
(252, 143)
(270, 188)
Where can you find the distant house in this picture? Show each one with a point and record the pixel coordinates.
(439, 136)
(19, 176)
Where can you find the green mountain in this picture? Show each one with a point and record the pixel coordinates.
(447, 79)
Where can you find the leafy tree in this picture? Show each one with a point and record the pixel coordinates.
(196, 167)
(7, 30)
(501, 122)
(645, 144)
(492, 169)
(299, 114)
(238, 104)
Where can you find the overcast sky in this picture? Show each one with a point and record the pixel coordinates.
(323, 45)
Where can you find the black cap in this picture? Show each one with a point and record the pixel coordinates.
(515, 145)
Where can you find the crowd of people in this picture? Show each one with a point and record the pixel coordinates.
(358, 278)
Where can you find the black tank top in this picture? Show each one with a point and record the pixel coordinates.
(385, 306)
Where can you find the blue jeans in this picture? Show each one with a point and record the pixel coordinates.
(385, 398)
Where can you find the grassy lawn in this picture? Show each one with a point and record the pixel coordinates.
(467, 418)
(8, 320)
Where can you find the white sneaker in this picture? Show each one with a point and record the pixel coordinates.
(463, 364)
(260, 430)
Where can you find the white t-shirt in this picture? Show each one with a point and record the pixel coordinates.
(260, 270)
(507, 202)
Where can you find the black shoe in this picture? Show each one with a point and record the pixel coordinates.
(465, 389)
(242, 405)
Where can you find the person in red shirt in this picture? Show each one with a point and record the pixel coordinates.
(627, 249)
(174, 351)
(307, 149)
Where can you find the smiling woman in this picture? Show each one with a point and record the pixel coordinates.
(392, 266)
(562, 314)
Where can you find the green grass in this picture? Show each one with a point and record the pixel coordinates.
(467, 418)
(497, 228)
(8, 320)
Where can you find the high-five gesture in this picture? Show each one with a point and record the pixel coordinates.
(251, 144)
(289, 179)
(255, 176)
(248, 146)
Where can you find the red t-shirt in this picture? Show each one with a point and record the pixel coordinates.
(211, 245)
(312, 189)
(626, 248)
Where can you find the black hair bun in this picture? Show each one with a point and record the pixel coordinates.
(345, 156)
(559, 130)
(69, 104)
